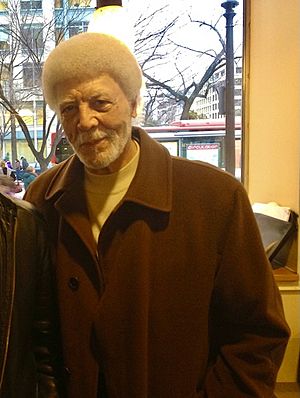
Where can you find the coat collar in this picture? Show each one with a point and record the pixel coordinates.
(150, 187)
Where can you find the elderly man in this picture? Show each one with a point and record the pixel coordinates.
(164, 287)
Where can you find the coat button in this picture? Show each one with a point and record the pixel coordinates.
(67, 371)
(73, 283)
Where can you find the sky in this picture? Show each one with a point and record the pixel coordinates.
(207, 10)
(185, 33)
(200, 10)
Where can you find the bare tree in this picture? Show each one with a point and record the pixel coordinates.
(20, 69)
(176, 71)
(4, 126)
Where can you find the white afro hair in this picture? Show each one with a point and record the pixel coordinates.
(87, 56)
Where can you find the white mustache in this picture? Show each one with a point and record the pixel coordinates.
(84, 138)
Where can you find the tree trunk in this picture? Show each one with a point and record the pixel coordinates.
(13, 134)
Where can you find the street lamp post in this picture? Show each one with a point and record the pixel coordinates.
(229, 5)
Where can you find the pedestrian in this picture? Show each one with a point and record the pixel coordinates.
(19, 171)
(17, 164)
(8, 164)
(29, 333)
(29, 175)
(24, 163)
(6, 170)
(164, 286)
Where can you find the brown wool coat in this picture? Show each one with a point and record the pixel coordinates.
(179, 299)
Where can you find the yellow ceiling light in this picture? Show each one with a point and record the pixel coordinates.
(113, 20)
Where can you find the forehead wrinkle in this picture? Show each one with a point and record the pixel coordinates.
(89, 90)
(69, 96)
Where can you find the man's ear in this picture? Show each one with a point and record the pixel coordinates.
(134, 109)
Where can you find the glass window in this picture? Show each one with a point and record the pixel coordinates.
(77, 27)
(31, 75)
(31, 4)
(32, 37)
(4, 46)
(4, 40)
(3, 5)
(79, 3)
(58, 3)
(4, 74)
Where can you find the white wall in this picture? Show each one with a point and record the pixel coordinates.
(272, 84)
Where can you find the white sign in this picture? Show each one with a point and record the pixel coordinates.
(172, 147)
(206, 152)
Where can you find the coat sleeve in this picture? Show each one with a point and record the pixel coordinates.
(248, 331)
(46, 327)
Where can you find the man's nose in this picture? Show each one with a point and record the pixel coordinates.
(87, 118)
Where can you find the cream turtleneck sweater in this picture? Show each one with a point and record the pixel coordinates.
(104, 192)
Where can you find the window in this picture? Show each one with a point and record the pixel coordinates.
(58, 4)
(78, 27)
(4, 41)
(4, 75)
(5, 78)
(3, 5)
(32, 112)
(31, 4)
(79, 3)
(4, 46)
(32, 37)
(31, 75)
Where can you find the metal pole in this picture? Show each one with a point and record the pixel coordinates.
(229, 5)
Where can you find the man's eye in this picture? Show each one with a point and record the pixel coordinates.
(68, 109)
(101, 105)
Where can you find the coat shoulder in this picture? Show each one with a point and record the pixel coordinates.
(205, 177)
(41, 184)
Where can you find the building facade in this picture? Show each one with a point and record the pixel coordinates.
(29, 29)
(212, 103)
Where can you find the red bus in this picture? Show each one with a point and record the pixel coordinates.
(202, 139)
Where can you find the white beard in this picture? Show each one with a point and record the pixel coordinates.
(99, 158)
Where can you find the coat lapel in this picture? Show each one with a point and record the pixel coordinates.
(67, 190)
(73, 209)
(150, 187)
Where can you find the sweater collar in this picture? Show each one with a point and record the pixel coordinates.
(151, 185)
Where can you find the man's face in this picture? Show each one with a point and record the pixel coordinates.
(96, 117)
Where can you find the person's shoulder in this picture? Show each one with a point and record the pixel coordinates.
(28, 218)
(49, 174)
(203, 172)
(201, 181)
(10, 203)
(53, 170)
(37, 189)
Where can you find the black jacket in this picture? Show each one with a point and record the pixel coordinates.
(29, 349)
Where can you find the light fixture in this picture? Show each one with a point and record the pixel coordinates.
(111, 18)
